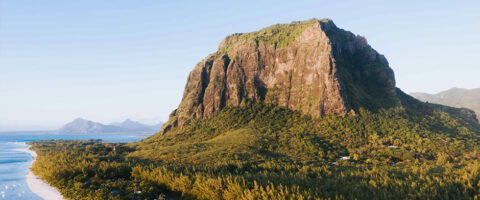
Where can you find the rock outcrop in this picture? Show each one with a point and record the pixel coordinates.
(311, 66)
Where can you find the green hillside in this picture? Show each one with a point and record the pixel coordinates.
(257, 151)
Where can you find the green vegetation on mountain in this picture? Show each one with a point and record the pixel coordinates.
(259, 151)
(455, 97)
(279, 35)
(319, 118)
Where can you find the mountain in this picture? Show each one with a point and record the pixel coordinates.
(82, 126)
(311, 66)
(455, 97)
(294, 111)
(130, 125)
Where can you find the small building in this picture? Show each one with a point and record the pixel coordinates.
(344, 157)
(333, 163)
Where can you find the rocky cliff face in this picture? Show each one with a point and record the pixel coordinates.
(311, 66)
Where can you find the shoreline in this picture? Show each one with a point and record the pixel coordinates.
(37, 185)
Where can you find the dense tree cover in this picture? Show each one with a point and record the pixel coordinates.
(259, 151)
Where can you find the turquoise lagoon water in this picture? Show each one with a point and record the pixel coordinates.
(15, 164)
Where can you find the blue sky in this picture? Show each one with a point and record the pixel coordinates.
(111, 60)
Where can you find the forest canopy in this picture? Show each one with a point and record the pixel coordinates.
(259, 151)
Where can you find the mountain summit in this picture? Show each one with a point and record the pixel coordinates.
(311, 66)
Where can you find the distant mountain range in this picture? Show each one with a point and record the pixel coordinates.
(455, 97)
(83, 126)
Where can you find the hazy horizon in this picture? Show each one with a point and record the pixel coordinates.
(107, 62)
(150, 122)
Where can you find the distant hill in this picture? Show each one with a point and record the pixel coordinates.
(130, 125)
(455, 97)
(83, 126)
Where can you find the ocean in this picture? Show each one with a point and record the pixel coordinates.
(14, 163)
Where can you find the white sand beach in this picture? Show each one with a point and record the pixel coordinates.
(37, 185)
